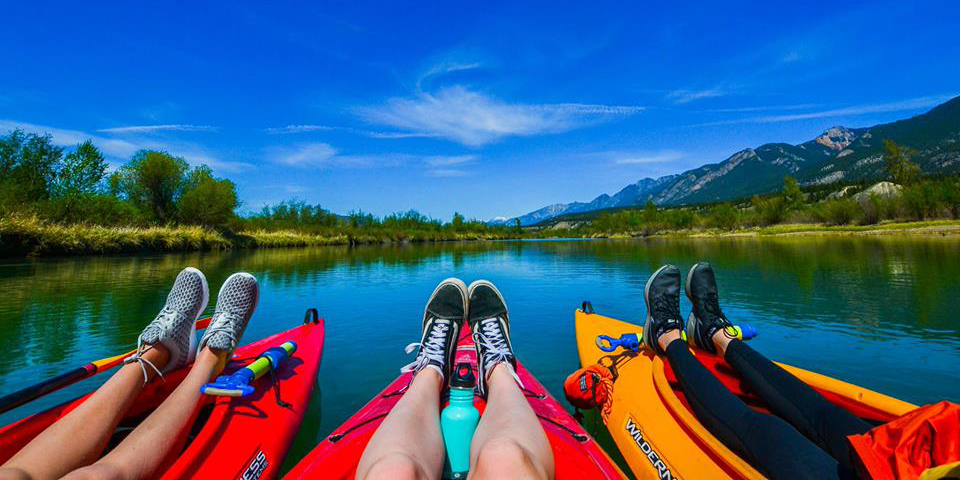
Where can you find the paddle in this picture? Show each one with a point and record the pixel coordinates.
(24, 395)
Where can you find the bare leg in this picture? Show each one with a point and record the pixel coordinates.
(151, 445)
(78, 438)
(391, 453)
(509, 441)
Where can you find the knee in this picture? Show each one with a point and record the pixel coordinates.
(505, 458)
(397, 466)
(13, 473)
(99, 471)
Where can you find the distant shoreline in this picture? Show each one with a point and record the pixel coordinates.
(29, 237)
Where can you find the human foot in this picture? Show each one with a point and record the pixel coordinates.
(490, 323)
(706, 319)
(175, 326)
(236, 302)
(442, 318)
(662, 296)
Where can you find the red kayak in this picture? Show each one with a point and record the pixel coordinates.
(233, 437)
(575, 452)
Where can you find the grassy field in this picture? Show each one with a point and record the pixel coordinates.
(32, 236)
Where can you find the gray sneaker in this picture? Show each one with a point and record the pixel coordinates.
(175, 325)
(235, 304)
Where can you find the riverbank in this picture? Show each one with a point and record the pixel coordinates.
(30, 236)
(926, 228)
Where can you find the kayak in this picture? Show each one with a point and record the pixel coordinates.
(652, 424)
(575, 452)
(233, 437)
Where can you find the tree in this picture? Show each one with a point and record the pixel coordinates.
(649, 211)
(206, 200)
(792, 195)
(457, 221)
(516, 225)
(28, 165)
(82, 171)
(899, 164)
(154, 180)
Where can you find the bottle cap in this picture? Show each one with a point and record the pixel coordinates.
(463, 376)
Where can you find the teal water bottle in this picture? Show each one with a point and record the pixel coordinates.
(458, 421)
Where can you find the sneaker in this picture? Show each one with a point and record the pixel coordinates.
(175, 327)
(706, 317)
(442, 319)
(662, 296)
(490, 322)
(236, 302)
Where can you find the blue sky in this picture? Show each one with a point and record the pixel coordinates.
(485, 108)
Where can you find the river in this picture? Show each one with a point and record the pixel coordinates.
(879, 312)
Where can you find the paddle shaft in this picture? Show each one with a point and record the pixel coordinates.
(35, 391)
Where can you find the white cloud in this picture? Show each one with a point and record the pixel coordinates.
(123, 148)
(901, 105)
(799, 106)
(303, 155)
(447, 172)
(686, 96)
(662, 156)
(160, 128)
(473, 118)
(910, 104)
(297, 129)
(442, 161)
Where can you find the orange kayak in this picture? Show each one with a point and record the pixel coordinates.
(653, 426)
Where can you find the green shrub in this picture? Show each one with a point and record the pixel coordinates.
(842, 211)
(723, 216)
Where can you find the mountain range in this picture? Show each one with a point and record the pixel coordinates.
(838, 154)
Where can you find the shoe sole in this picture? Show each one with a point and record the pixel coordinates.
(256, 298)
(194, 341)
(463, 294)
(692, 320)
(650, 342)
(462, 287)
(481, 380)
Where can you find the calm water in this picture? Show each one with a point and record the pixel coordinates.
(877, 312)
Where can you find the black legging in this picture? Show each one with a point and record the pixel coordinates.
(815, 446)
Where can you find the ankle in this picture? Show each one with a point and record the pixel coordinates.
(721, 341)
(158, 355)
(667, 337)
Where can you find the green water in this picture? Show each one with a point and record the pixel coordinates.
(880, 312)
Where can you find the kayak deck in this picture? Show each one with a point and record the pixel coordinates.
(651, 421)
(576, 453)
(232, 434)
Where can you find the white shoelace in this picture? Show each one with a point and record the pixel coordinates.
(432, 349)
(138, 357)
(227, 324)
(495, 347)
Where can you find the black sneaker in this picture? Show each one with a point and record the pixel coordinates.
(442, 319)
(662, 296)
(706, 317)
(490, 323)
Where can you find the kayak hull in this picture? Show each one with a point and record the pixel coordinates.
(653, 426)
(576, 453)
(234, 435)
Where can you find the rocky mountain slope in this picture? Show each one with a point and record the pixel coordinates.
(839, 154)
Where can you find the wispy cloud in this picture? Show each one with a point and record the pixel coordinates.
(449, 166)
(852, 111)
(473, 118)
(687, 96)
(160, 128)
(323, 155)
(910, 104)
(121, 149)
(297, 129)
(663, 156)
(800, 106)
